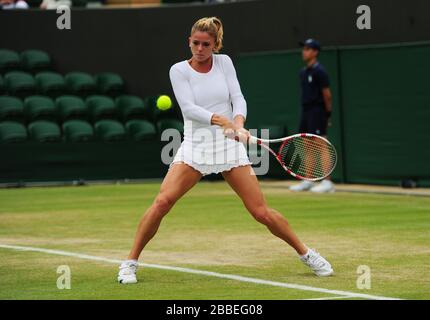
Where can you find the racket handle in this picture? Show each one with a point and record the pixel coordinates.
(252, 140)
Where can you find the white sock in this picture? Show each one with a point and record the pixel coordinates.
(304, 255)
(131, 261)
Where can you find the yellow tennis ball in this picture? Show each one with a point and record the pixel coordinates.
(164, 102)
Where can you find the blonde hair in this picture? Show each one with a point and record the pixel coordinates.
(213, 26)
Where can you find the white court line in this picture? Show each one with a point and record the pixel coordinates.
(331, 298)
(346, 294)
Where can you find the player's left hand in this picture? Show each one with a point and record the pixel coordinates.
(238, 134)
(242, 135)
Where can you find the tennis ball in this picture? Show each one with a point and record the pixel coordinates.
(164, 102)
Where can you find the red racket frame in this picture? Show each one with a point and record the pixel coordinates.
(285, 140)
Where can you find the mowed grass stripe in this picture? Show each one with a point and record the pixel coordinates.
(209, 229)
(203, 273)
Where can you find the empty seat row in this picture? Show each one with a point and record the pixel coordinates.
(20, 83)
(92, 108)
(80, 131)
(29, 60)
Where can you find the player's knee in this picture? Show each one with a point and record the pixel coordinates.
(261, 214)
(162, 204)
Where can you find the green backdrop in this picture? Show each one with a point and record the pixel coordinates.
(381, 121)
(70, 161)
(381, 106)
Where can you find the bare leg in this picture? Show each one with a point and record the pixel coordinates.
(245, 184)
(179, 179)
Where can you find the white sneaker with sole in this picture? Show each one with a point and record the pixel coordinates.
(127, 272)
(320, 266)
(302, 186)
(323, 186)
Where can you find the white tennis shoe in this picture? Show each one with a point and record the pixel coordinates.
(127, 272)
(320, 266)
(302, 186)
(323, 186)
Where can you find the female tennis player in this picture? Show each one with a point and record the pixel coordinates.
(214, 111)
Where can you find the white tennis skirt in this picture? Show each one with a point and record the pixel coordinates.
(213, 156)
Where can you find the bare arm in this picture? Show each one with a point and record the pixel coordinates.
(239, 121)
(327, 103)
(232, 129)
(327, 99)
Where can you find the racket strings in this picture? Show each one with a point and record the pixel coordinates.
(309, 157)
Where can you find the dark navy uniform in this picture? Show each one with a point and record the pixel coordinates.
(314, 118)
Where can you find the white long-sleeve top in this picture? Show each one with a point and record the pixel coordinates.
(200, 95)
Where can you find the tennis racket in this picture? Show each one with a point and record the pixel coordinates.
(305, 156)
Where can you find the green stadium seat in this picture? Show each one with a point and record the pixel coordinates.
(131, 107)
(44, 131)
(110, 130)
(11, 131)
(109, 83)
(80, 83)
(155, 114)
(11, 107)
(141, 130)
(20, 83)
(9, 60)
(50, 83)
(35, 60)
(164, 124)
(77, 131)
(71, 107)
(39, 107)
(100, 107)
